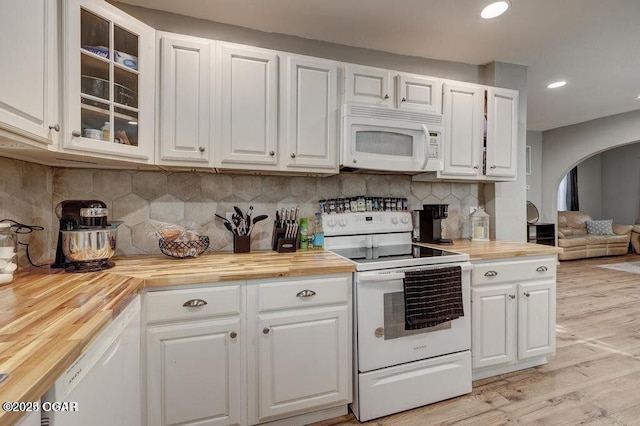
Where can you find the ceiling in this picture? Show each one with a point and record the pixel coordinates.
(592, 44)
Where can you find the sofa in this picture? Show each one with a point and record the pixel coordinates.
(599, 238)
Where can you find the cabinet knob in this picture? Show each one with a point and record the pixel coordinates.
(306, 293)
(491, 274)
(76, 133)
(201, 149)
(512, 296)
(55, 127)
(493, 167)
(476, 167)
(526, 293)
(541, 269)
(386, 96)
(293, 155)
(233, 334)
(265, 330)
(403, 100)
(272, 153)
(194, 303)
(354, 161)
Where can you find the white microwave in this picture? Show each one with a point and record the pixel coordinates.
(387, 139)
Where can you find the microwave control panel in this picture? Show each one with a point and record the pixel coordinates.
(434, 145)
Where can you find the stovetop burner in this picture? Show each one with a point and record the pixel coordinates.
(389, 253)
(98, 265)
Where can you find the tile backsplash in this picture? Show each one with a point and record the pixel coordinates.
(141, 199)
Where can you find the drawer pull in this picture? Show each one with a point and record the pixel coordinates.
(512, 296)
(194, 303)
(526, 293)
(541, 269)
(233, 334)
(265, 330)
(306, 293)
(491, 274)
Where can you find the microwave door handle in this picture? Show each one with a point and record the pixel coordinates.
(426, 146)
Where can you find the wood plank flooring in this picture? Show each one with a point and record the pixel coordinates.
(593, 379)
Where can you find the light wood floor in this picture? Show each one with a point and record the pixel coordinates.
(594, 377)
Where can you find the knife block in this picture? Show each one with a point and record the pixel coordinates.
(282, 244)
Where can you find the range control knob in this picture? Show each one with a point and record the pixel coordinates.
(404, 219)
(331, 223)
(343, 222)
(394, 220)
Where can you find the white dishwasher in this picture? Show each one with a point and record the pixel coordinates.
(103, 386)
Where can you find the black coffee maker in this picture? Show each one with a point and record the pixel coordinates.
(69, 213)
(430, 227)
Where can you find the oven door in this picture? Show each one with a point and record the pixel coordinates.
(382, 339)
(389, 145)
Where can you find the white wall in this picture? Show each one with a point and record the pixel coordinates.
(621, 184)
(565, 147)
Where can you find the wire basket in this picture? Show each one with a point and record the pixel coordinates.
(182, 249)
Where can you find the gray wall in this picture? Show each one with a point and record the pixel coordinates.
(621, 184)
(534, 180)
(590, 186)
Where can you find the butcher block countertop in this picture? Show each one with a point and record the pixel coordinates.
(482, 250)
(48, 317)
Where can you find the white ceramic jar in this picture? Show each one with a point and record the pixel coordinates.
(8, 253)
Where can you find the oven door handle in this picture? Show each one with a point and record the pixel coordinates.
(372, 277)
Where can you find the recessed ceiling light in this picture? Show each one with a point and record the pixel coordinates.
(556, 84)
(495, 9)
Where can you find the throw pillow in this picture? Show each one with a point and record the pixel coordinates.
(600, 227)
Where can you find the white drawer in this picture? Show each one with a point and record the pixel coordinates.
(510, 271)
(205, 302)
(302, 293)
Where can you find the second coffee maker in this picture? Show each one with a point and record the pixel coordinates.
(429, 225)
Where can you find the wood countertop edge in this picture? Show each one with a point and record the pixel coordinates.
(496, 249)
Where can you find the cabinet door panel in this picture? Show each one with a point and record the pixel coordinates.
(502, 132)
(28, 86)
(248, 110)
(309, 113)
(418, 92)
(536, 319)
(194, 373)
(303, 361)
(493, 325)
(368, 85)
(463, 130)
(184, 99)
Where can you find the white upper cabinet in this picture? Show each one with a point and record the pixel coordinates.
(376, 86)
(368, 85)
(463, 115)
(481, 132)
(29, 73)
(308, 114)
(247, 108)
(109, 100)
(186, 91)
(419, 92)
(502, 132)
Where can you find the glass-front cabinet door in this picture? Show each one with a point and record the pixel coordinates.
(110, 73)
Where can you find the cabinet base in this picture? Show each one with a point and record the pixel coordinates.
(509, 368)
(316, 416)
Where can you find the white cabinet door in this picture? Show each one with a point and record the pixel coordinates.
(463, 111)
(304, 361)
(194, 373)
(493, 319)
(248, 107)
(419, 93)
(502, 133)
(185, 93)
(109, 98)
(309, 114)
(536, 319)
(368, 85)
(28, 77)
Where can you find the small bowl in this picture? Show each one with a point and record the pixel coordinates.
(93, 134)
